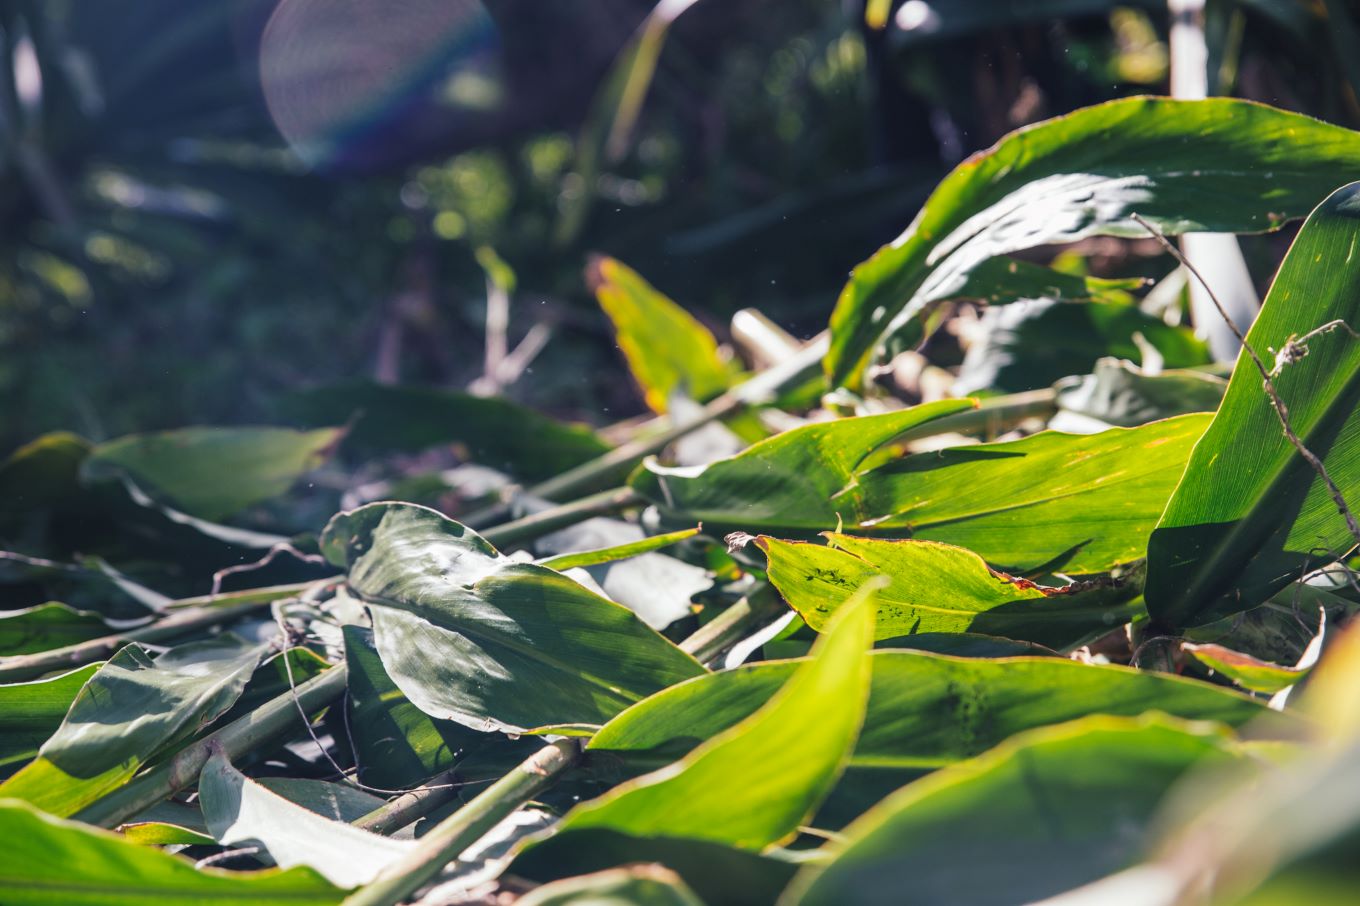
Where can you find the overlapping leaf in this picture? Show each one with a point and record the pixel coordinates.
(464, 631)
(1184, 165)
(1251, 515)
(31, 712)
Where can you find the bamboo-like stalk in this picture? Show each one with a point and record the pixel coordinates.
(733, 624)
(447, 840)
(550, 520)
(263, 728)
(229, 606)
(411, 806)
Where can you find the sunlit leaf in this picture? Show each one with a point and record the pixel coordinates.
(31, 712)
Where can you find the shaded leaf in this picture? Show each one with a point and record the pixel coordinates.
(1249, 518)
(132, 707)
(496, 432)
(753, 784)
(1117, 393)
(999, 281)
(31, 712)
(213, 473)
(667, 349)
(464, 631)
(1043, 813)
(239, 810)
(640, 885)
(937, 587)
(46, 860)
(47, 626)
(1186, 166)
(925, 710)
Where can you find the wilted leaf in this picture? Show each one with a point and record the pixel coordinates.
(132, 707)
(939, 588)
(238, 810)
(213, 473)
(464, 631)
(753, 784)
(668, 351)
(1250, 515)
(1043, 813)
(1186, 166)
(46, 861)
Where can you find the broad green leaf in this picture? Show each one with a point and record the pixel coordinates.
(755, 783)
(640, 885)
(47, 861)
(1117, 393)
(1244, 670)
(495, 432)
(1082, 503)
(668, 351)
(1250, 515)
(925, 710)
(1040, 341)
(1217, 165)
(617, 552)
(1045, 812)
(396, 744)
(213, 473)
(471, 636)
(132, 707)
(720, 875)
(802, 477)
(238, 810)
(31, 712)
(999, 281)
(937, 587)
(47, 626)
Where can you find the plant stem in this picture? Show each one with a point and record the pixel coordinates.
(259, 730)
(993, 416)
(394, 815)
(238, 604)
(733, 624)
(450, 837)
(537, 524)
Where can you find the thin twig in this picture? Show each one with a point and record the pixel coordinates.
(1293, 347)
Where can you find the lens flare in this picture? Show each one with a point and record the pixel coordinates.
(361, 83)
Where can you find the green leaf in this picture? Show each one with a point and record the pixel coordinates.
(38, 477)
(938, 588)
(563, 562)
(47, 626)
(1036, 343)
(496, 432)
(1117, 393)
(168, 824)
(131, 708)
(755, 783)
(667, 349)
(639, 885)
(1244, 670)
(240, 811)
(31, 712)
(46, 861)
(1250, 515)
(802, 477)
(213, 473)
(397, 745)
(1000, 281)
(925, 710)
(471, 636)
(1217, 165)
(1082, 503)
(1045, 812)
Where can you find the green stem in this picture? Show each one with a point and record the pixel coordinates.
(733, 624)
(409, 807)
(260, 730)
(550, 520)
(229, 606)
(447, 840)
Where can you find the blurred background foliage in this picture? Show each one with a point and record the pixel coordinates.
(205, 205)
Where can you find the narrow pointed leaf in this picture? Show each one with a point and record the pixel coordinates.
(1045, 812)
(31, 712)
(937, 587)
(562, 562)
(213, 473)
(239, 810)
(925, 710)
(1250, 515)
(668, 351)
(1217, 165)
(46, 861)
(755, 783)
(471, 636)
(132, 707)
